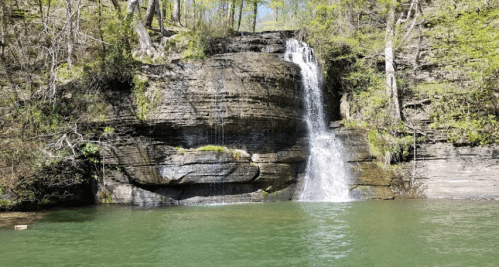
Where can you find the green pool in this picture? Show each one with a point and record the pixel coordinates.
(362, 233)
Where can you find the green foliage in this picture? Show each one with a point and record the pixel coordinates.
(289, 13)
(147, 100)
(388, 147)
(330, 30)
(180, 149)
(369, 99)
(90, 151)
(64, 73)
(194, 51)
(4, 203)
(212, 148)
(109, 130)
(195, 43)
(55, 182)
(236, 153)
(139, 90)
(466, 41)
(106, 197)
(116, 57)
(471, 47)
(191, 43)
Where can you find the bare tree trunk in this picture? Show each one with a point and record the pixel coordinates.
(255, 12)
(48, 8)
(350, 16)
(151, 9)
(230, 13)
(159, 6)
(101, 35)
(391, 81)
(40, 7)
(116, 5)
(132, 6)
(194, 21)
(70, 35)
(163, 11)
(185, 13)
(6, 19)
(240, 15)
(176, 12)
(146, 46)
(144, 38)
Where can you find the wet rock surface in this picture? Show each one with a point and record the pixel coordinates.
(368, 179)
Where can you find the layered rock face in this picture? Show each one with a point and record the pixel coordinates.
(225, 129)
(445, 171)
(439, 171)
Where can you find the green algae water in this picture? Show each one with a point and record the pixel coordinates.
(362, 233)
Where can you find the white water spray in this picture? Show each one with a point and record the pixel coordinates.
(325, 178)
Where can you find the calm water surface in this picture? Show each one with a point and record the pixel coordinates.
(363, 233)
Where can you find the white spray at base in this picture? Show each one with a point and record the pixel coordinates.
(326, 179)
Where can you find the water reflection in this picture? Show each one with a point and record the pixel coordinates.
(328, 236)
(461, 231)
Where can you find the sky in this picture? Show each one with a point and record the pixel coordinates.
(263, 10)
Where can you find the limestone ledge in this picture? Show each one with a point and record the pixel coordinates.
(140, 175)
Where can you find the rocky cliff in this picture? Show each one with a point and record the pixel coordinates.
(230, 129)
(435, 171)
(225, 129)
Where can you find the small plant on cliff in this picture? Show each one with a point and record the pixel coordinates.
(90, 151)
(106, 197)
(180, 149)
(212, 148)
(147, 100)
(236, 153)
(109, 130)
(139, 91)
(387, 147)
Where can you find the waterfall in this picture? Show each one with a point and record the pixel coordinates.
(325, 178)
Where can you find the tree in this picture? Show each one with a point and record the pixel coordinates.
(185, 13)
(414, 11)
(70, 35)
(255, 13)
(159, 7)
(146, 46)
(391, 81)
(240, 15)
(151, 8)
(115, 4)
(230, 13)
(176, 12)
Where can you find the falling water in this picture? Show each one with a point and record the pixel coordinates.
(325, 178)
